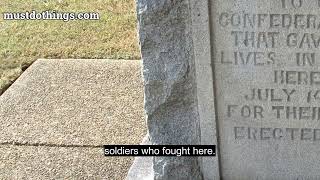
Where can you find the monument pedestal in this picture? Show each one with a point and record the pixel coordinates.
(243, 75)
(142, 167)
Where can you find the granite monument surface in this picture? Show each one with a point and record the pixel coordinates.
(240, 74)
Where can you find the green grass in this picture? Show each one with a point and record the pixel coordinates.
(22, 42)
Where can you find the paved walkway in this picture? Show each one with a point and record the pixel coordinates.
(57, 115)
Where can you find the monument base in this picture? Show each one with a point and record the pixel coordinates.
(142, 167)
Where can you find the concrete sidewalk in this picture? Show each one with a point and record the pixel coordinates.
(57, 115)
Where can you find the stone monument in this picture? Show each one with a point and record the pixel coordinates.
(242, 74)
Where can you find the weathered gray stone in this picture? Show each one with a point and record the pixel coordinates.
(142, 167)
(175, 46)
(202, 63)
(275, 134)
(205, 87)
(170, 84)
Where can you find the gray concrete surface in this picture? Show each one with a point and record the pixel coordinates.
(63, 105)
(40, 163)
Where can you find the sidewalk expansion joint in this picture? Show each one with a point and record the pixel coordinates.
(16, 143)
